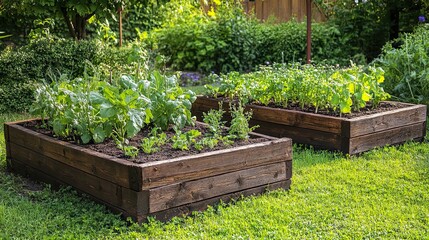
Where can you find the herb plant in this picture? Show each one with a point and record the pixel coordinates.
(239, 128)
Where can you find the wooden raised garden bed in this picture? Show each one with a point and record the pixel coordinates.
(162, 189)
(350, 136)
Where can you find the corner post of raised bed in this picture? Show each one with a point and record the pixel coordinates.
(345, 137)
(7, 143)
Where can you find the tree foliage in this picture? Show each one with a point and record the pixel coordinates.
(75, 13)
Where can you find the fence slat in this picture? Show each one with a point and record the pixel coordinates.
(283, 10)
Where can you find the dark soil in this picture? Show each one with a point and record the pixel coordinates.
(367, 110)
(166, 151)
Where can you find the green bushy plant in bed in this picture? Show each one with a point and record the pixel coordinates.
(341, 90)
(407, 67)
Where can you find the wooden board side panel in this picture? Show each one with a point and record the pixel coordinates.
(85, 182)
(166, 215)
(219, 162)
(277, 115)
(35, 174)
(315, 138)
(187, 192)
(385, 121)
(388, 137)
(122, 172)
(296, 119)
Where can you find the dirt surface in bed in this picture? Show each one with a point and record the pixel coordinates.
(166, 151)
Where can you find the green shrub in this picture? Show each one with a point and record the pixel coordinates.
(407, 67)
(21, 68)
(229, 40)
(286, 42)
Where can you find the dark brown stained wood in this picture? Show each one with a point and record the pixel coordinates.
(87, 183)
(208, 176)
(116, 170)
(289, 169)
(202, 205)
(6, 139)
(382, 121)
(315, 138)
(324, 132)
(25, 170)
(277, 115)
(392, 136)
(186, 192)
(208, 164)
(296, 118)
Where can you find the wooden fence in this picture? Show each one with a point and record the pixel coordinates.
(283, 10)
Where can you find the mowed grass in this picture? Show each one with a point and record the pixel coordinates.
(382, 194)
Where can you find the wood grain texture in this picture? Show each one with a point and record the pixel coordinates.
(209, 164)
(326, 132)
(85, 182)
(277, 115)
(171, 184)
(122, 172)
(202, 205)
(388, 137)
(388, 120)
(315, 138)
(35, 174)
(186, 192)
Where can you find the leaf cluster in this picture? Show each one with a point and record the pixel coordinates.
(319, 87)
(90, 110)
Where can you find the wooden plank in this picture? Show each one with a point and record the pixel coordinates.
(187, 192)
(35, 174)
(296, 118)
(259, 9)
(315, 138)
(202, 205)
(391, 137)
(277, 115)
(383, 121)
(213, 163)
(122, 172)
(296, 10)
(101, 189)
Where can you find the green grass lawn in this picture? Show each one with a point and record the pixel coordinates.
(381, 194)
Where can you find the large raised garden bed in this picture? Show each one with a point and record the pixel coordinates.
(162, 188)
(350, 136)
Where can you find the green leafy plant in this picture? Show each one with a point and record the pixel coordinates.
(152, 143)
(239, 128)
(314, 87)
(213, 119)
(406, 67)
(184, 141)
(88, 109)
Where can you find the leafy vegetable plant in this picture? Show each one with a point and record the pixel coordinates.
(316, 87)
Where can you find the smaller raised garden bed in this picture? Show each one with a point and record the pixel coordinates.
(348, 135)
(164, 188)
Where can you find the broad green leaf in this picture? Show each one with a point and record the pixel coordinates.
(99, 134)
(107, 110)
(86, 137)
